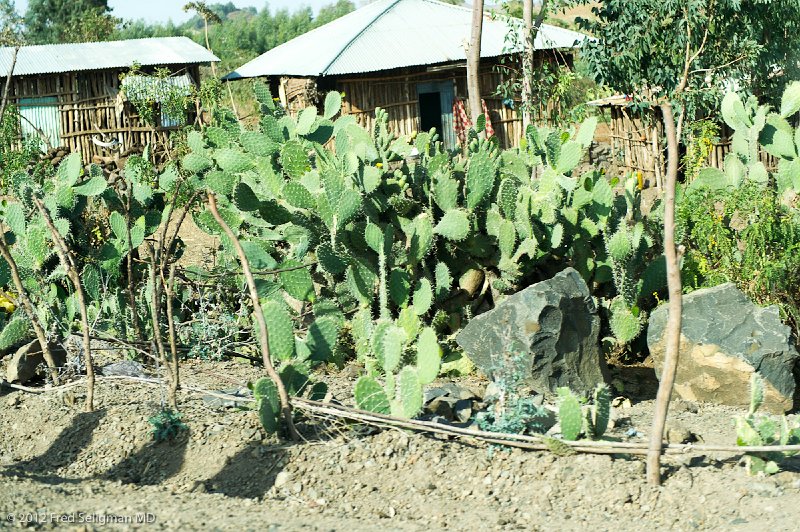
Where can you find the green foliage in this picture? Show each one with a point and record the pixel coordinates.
(756, 430)
(16, 331)
(745, 235)
(570, 415)
(701, 136)
(167, 425)
(645, 44)
(576, 418)
(156, 92)
(58, 21)
(742, 223)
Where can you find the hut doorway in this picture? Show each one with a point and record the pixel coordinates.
(40, 117)
(436, 110)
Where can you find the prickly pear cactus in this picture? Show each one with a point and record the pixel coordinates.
(570, 414)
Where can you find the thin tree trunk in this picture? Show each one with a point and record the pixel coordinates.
(673, 329)
(137, 328)
(286, 406)
(208, 47)
(527, 64)
(155, 305)
(173, 344)
(473, 62)
(7, 86)
(75, 277)
(531, 30)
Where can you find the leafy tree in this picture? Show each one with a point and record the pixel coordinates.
(54, 21)
(10, 24)
(693, 48)
(331, 12)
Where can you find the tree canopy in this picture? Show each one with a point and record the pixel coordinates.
(698, 48)
(54, 21)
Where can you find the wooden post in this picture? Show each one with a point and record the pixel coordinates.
(673, 329)
(473, 61)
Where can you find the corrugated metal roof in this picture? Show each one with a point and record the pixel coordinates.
(76, 57)
(391, 34)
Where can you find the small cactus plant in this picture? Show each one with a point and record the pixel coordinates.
(753, 430)
(577, 418)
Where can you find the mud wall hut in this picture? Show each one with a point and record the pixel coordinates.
(407, 57)
(69, 94)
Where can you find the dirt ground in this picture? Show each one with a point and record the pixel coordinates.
(63, 468)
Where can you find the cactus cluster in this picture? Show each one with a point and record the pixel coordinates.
(577, 418)
(297, 383)
(757, 127)
(386, 235)
(754, 430)
(394, 345)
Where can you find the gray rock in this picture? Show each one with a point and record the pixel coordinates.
(125, 368)
(442, 406)
(724, 339)
(462, 410)
(214, 401)
(22, 366)
(545, 336)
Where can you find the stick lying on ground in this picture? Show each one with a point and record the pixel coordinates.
(538, 443)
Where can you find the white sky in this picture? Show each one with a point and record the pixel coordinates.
(163, 10)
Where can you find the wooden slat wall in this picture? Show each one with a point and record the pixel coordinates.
(396, 93)
(637, 145)
(89, 106)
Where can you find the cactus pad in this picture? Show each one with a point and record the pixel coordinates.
(569, 414)
(370, 396)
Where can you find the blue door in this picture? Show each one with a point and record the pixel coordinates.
(436, 110)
